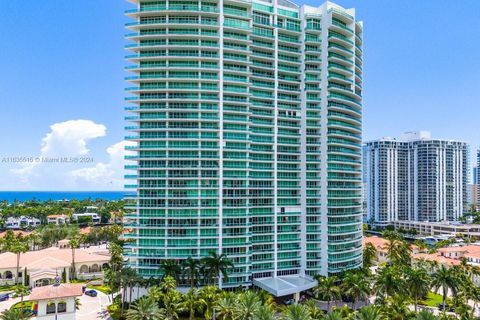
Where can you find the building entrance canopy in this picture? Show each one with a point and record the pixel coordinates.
(282, 286)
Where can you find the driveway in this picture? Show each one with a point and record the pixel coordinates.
(4, 305)
(94, 308)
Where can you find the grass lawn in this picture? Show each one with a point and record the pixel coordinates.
(22, 305)
(103, 288)
(114, 311)
(6, 288)
(433, 299)
(78, 281)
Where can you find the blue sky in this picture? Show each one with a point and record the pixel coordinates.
(62, 61)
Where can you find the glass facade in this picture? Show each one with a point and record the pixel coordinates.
(247, 129)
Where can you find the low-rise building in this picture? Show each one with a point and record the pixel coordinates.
(448, 256)
(440, 228)
(381, 246)
(21, 222)
(58, 219)
(93, 217)
(56, 302)
(39, 268)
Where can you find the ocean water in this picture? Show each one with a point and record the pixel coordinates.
(11, 196)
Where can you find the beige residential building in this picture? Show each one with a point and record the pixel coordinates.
(381, 245)
(39, 268)
(448, 257)
(58, 219)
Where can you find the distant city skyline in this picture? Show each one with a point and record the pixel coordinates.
(63, 82)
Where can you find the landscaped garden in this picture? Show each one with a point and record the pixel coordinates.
(399, 289)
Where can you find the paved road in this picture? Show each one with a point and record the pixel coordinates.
(4, 305)
(94, 308)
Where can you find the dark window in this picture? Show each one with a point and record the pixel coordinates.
(62, 307)
(51, 307)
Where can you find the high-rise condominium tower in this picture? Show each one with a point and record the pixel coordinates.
(416, 178)
(247, 118)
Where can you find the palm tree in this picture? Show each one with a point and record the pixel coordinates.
(464, 310)
(474, 295)
(425, 315)
(33, 240)
(296, 312)
(418, 283)
(227, 306)
(140, 283)
(210, 295)
(315, 311)
(114, 280)
(446, 279)
(248, 303)
(15, 314)
(192, 303)
(191, 270)
(145, 309)
(128, 277)
(266, 299)
(74, 243)
(356, 287)
(216, 266)
(368, 313)
(344, 311)
(399, 252)
(397, 309)
(168, 283)
(170, 267)
(16, 245)
(20, 291)
(155, 293)
(264, 313)
(172, 302)
(389, 282)
(335, 315)
(327, 290)
(116, 256)
(369, 255)
(421, 245)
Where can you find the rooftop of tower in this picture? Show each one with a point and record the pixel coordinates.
(413, 136)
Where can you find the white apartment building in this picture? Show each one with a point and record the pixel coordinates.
(21, 222)
(93, 216)
(415, 178)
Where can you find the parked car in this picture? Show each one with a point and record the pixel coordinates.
(91, 293)
(4, 297)
(440, 306)
(289, 301)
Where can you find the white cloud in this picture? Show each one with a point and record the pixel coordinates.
(67, 139)
(105, 174)
(70, 139)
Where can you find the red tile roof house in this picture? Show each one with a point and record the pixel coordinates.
(56, 301)
(449, 256)
(381, 245)
(43, 265)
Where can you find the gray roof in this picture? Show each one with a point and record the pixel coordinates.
(282, 286)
